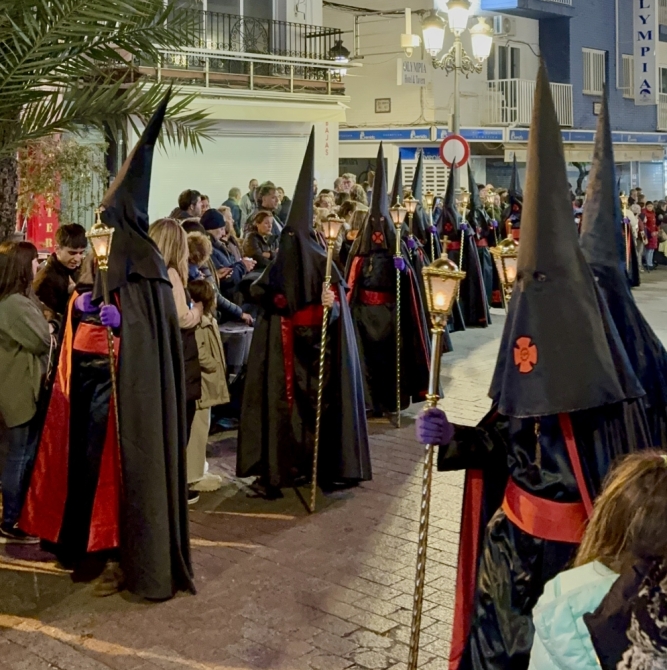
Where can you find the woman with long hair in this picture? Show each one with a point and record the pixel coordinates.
(172, 241)
(24, 346)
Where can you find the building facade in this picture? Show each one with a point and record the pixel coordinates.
(585, 43)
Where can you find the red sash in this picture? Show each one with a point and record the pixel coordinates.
(376, 297)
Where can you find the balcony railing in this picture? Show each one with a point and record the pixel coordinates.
(244, 53)
(509, 102)
(662, 14)
(662, 112)
(561, 2)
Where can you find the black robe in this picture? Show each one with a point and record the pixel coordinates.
(502, 569)
(276, 434)
(375, 326)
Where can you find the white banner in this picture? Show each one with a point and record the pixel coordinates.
(645, 40)
(412, 73)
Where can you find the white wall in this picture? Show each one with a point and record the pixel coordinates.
(432, 104)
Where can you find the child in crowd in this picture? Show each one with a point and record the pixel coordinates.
(213, 388)
(629, 525)
(651, 234)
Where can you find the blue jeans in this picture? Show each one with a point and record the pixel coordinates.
(649, 257)
(23, 441)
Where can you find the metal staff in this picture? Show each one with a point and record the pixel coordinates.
(428, 204)
(442, 280)
(397, 216)
(410, 204)
(100, 237)
(463, 209)
(332, 227)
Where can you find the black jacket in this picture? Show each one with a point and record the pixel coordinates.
(254, 246)
(52, 285)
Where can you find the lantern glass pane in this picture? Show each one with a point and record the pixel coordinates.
(434, 37)
(443, 293)
(482, 43)
(510, 269)
(459, 13)
(101, 245)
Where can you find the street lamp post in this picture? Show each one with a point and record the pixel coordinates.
(456, 60)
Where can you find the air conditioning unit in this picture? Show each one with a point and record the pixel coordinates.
(504, 26)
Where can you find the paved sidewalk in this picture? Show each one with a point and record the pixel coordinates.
(279, 588)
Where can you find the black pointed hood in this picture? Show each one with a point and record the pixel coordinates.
(514, 198)
(125, 209)
(477, 216)
(602, 243)
(298, 270)
(378, 232)
(601, 228)
(515, 190)
(397, 188)
(449, 222)
(559, 352)
(418, 179)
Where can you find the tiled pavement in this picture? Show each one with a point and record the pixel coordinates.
(279, 588)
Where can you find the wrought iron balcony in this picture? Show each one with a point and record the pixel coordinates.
(509, 102)
(245, 53)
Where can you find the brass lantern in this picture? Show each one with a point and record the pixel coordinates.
(410, 203)
(505, 256)
(331, 228)
(441, 279)
(624, 202)
(463, 203)
(428, 200)
(100, 237)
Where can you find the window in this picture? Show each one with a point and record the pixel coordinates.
(509, 63)
(628, 76)
(594, 71)
(663, 80)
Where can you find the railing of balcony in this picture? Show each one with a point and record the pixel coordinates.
(561, 2)
(662, 13)
(509, 102)
(662, 112)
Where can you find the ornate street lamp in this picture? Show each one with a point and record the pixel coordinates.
(505, 256)
(340, 54)
(331, 228)
(398, 216)
(442, 280)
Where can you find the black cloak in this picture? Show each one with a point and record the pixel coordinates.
(155, 547)
(565, 405)
(372, 279)
(397, 188)
(602, 245)
(421, 224)
(278, 411)
(461, 249)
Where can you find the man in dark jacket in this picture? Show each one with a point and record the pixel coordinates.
(55, 282)
(233, 203)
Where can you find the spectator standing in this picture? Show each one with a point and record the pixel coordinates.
(248, 203)
(205, 204)
(267, 201)
(233, 202)
(257, 244)
(651, 234)
(172, 242)
(629, 523)
(24, 346)
(214, 389)
(55, 282)
(189, 205)
(284, 206)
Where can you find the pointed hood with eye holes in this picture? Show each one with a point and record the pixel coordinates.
(602, 245)
(125, 209)
(560, 351)
(299, 268)
(378, 232)
(515, 190)
(449, 223)
(397, 188)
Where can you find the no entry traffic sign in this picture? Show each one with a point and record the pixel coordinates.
(454, 150)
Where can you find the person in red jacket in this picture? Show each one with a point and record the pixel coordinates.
(651, 234)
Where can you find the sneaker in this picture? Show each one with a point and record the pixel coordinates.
(110, 581)
(14, 535)
(193, 497)
(209, 482)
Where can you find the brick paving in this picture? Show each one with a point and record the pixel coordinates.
(277, 587)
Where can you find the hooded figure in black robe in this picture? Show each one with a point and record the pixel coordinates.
(276, 434)
(512, 214)
(461, 249)
(484, 236)
(396, 197)
(371, 275)
(426, 234)
(566, 403)
(153, 517)
(602, 244)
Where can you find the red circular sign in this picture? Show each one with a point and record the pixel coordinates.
(454, 149)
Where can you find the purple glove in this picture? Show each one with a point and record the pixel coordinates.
(494, 223)
(433, 427)
(411, 243)
(433, 230)
(399, 264)
(110, 316)
(83, 303)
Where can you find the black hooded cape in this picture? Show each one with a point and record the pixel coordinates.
(538, 459)
(276, 433)
(512, 215)
(603, 247)
(372, 298)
